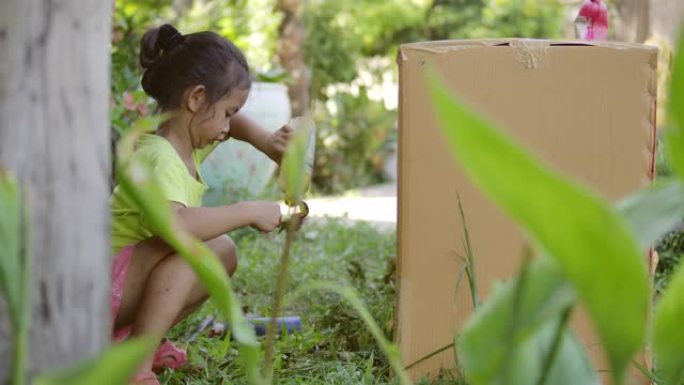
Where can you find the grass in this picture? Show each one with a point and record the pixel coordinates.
(334, 346)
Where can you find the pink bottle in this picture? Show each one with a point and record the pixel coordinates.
(592, 21)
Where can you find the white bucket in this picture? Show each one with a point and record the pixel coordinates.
(237, 167)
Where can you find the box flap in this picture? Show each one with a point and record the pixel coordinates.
(443, 46)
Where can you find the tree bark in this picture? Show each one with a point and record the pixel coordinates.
(292, 36)
(633, 20)
(667, 18)
(54, 136)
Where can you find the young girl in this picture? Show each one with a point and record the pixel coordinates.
(204, 80)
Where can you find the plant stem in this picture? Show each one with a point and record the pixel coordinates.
(470, 262)
(555, 346)
(18, 363)
(429, 355)
(24, 317)
(278, 298)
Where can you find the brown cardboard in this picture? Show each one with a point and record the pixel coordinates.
(587, 109)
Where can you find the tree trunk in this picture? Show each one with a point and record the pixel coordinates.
(54, 136)
(667, 18)
(633, 20)
(292, 35)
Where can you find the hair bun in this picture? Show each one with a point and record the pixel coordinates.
(169, 37)
(157, 41)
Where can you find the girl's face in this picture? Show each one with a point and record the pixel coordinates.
(212, 123)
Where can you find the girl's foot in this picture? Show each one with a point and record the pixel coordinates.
(169, 356)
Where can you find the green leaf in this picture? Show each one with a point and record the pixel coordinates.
(675, 133)
(650, 212)
(115, 366)
(15, 277)
(295, 173)
(505, 329)
(469, 260)
(654, 211)
(10, 239)
(668, 340)
(570, 367)
(390, 350)
(583, 233)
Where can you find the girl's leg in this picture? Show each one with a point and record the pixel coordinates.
(161, 289)
(146, 256)
(225, 249)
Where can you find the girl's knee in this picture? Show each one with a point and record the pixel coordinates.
(225, 249)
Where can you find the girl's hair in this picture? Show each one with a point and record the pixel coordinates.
(174, 62)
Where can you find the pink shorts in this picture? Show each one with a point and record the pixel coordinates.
(167, 355)
(120, 264)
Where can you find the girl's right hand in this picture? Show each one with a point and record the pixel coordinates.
(265, 216)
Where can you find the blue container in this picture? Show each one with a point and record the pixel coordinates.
(284, 325)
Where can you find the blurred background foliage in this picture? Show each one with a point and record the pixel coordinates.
(349, 49)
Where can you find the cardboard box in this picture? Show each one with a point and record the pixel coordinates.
(587, 109)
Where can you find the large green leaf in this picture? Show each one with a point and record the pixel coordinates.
(654, 211)
(668, 339)
(650, 212)
(675, 133)
(293, 178)
(583, 233)
(390, 350)
(115, 366)
(504, 332)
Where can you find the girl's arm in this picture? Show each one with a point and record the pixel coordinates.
(272, 144)
(207, 223)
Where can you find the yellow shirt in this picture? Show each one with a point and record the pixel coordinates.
(165, 165)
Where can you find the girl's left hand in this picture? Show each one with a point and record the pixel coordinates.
(278, 142)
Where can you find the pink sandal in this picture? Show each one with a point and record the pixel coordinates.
(145, 378)
(169, 356)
